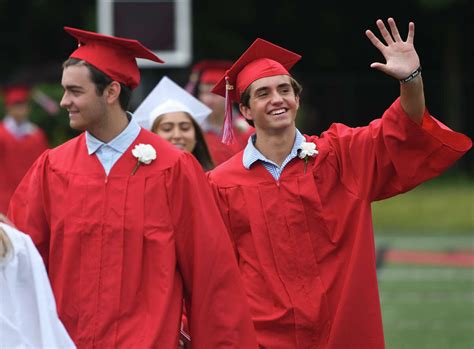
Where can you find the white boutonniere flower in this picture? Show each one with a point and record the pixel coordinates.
(308, 149)
(144, 153)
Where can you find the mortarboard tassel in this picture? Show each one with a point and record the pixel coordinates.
(227, 133)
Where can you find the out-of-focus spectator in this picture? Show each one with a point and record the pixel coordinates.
(21, 141)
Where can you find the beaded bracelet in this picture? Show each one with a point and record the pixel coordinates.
(411, 76)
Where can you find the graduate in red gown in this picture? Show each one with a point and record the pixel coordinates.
(204, 75)
(298, 207)
(126, 222)
(21, 141)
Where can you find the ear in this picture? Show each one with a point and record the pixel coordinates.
(112, 92)
(245, 111)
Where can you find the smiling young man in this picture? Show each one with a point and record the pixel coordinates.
(297, 207)
(116, 216)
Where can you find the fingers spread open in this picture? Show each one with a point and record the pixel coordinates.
(383, 30)
(374, 40)
(394, 29)
(411, 32)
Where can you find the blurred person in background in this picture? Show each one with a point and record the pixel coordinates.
(298, 207)
(21, 141)
(174, 114)
(203, 77)
(125, 221)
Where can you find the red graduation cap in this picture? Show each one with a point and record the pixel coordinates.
(207, 71)
(16, 94)
(262, 59)
(113, 56)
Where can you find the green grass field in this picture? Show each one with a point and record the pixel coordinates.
(441, 206)
(424, 306)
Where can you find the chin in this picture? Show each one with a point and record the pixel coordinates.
(284, 123)
(76, 126)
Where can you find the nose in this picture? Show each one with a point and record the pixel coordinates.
(276, 98)
(176, 133)
(65, 102)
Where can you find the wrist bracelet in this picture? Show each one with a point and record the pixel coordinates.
(411, 76)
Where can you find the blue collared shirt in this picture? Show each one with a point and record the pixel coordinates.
(252, 155)
(109, 153)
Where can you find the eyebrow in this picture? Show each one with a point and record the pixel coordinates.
(73, 87)
(174, 123)
(285, 84)
(263, 88)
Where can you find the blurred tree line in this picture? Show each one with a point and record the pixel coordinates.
(338, 83)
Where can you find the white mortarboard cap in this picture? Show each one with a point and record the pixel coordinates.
(168, 97)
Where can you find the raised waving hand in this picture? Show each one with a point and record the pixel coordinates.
(401, 57)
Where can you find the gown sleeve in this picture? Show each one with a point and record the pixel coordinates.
(216, 302)
(393, 154)
(28, 206)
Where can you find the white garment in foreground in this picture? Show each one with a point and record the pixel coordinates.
(28, 316)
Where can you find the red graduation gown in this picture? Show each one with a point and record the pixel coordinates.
(122, 251)
(305, 243)
(16, 157)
